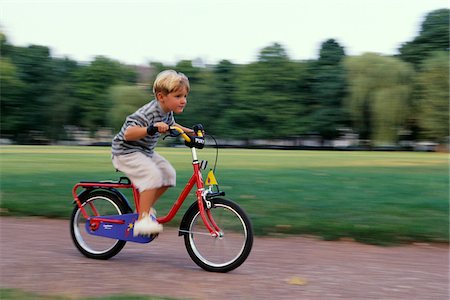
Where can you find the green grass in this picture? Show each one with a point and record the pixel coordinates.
(14, 294)
(372, 197)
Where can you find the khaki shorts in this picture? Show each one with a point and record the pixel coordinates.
(146, 172)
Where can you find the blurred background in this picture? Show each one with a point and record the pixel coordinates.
(332, 99)
(281, 74)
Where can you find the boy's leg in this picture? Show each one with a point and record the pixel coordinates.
(159, 192)
(147, 225)
(168, 178)
(148, 199)
(147, 177)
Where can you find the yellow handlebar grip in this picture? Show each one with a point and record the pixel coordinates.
(184, 135)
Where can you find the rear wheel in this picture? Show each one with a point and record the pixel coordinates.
(103, 203)
(227, 251)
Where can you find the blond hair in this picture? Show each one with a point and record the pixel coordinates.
(169, 81)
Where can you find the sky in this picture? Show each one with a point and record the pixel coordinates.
(143, 31)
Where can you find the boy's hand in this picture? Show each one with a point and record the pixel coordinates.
(162, 127)
(197, 128)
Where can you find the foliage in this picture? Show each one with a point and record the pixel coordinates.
(267, 105)
(92, 84)
(434, 36)
(41, 94)
(328, 89)
(273, 97)
(62, 99)
(433, 82)
(125, 101)
(34, 69)
(10, 93)
(379, 95)
(224, 96)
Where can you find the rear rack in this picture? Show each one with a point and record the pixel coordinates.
(122, 180)
(122, 183)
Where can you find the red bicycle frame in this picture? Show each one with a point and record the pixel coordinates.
(196, 178)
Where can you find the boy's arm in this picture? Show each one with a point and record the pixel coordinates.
(134, 133)
(185, 129)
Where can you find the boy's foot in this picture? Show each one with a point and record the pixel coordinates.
(147, 226)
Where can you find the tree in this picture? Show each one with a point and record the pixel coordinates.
(5, 47)
(379, 96)
(224, 99)
(61, 99)
(125, 101)
(34, 69)
(92, 83)
(328, 90)
(433, 107)
(268, 104)
(273, 54)
(433, 36)
(331, 53)
(11, 95)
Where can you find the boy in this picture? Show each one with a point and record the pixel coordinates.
(133, 147)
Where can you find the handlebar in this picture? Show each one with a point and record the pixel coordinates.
(182, 133)
(197, 141)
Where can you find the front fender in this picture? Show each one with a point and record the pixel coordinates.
(184, 225)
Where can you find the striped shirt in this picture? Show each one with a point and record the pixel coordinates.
(145, 116)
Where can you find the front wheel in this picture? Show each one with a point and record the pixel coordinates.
(227, 251)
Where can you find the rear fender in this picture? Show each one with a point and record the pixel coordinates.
(84, 195)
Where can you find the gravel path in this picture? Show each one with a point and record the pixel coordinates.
(37, 255)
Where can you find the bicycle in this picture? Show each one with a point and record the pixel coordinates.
(218, 234)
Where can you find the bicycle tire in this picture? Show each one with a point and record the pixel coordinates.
(107, 203)
(223, 253)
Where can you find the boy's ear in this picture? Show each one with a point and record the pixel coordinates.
(159, 96)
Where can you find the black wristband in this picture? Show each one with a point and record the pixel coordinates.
(151, 130)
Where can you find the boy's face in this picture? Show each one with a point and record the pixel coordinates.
(175, 101)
